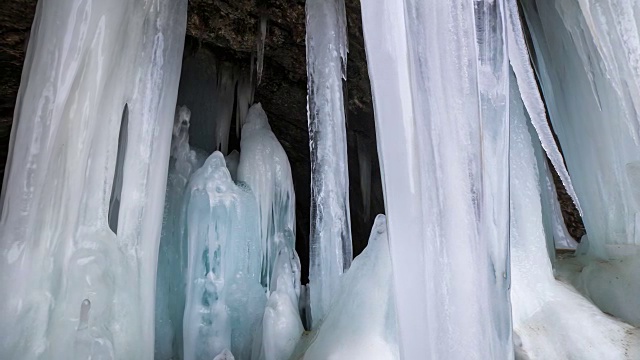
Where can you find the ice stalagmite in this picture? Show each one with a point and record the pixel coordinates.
(85, 61)
(330, 238)
(551, 319)
(265, 168)
(439, 78)
(586, 55)
(225, 299)
(362, 322)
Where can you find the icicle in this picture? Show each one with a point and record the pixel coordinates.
(520, 61)
(85, 61)
(441, 126)
(330, 240)
(364, 162)
(244, 98)
(208, 88)
(260, 48)
(224, 95)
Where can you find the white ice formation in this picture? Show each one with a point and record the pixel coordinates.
(361, 325)
(331, 250)
(445, 171)
(68, 277)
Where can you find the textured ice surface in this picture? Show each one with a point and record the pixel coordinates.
(361, 324)
(225, 299)
(265, 168)
(442, 126)
(552, 320)
(587, 59)
(520, 61)
(85, 61)
(330, 238)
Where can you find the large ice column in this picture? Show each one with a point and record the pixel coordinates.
(441, 120)
(586, 54)
(551, 319)
(331, 250)
(225, 299)
(67, 278)
(265, 168)
(362, 323)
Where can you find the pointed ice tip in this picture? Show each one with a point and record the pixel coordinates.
(379, 224)
(216, 160)
(256, 117)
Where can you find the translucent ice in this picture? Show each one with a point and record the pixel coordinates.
(330, 238)
(438, 71)
(86, 60)
(224, 297)
(265, 168)
(362, 321)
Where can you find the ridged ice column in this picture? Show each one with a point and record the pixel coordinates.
(330, 240)
(77, 284)
(439, 78)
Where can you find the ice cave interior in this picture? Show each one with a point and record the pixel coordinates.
(320, 179)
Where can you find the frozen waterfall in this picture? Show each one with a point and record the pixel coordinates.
(137, 223)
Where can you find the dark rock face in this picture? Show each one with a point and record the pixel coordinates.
(228, 29)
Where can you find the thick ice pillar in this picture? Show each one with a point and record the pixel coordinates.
(67, 278)
(439, 78)
(330, 237)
